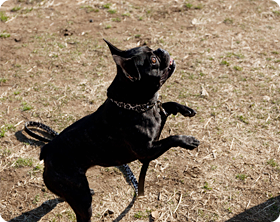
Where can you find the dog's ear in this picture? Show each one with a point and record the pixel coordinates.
(114, 50)
(128, 65)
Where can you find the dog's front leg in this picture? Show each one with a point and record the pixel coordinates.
(174, 108)
(157, 148)
(142, 177)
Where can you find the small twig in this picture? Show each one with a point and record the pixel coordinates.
(214, 212)
(248, 204)
(163, 168)
(11, 19)
(166, 218)
(246, 143)
(171, 197)
(267, 118)
(161, 216)
(231, 145)
(19, 122)
(194, 206)
(256, 181)
(214, 155)
(207, 123)
(208, 156)
(178, 203)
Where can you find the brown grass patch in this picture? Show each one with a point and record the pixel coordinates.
(55, 68)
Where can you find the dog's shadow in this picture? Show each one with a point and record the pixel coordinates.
(22, 138)
(46, 207)
(37, 213)
(126, 210)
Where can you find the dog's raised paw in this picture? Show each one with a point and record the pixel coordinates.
(195, 142)
(188, 142)
(188, 112)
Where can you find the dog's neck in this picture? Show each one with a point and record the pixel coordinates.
(130, 93)
(130, 96)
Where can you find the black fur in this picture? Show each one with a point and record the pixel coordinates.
(112, 135)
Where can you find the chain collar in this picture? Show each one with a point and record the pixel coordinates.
(140, 108)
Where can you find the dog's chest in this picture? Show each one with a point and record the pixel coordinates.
(140, 128)
(150, 124)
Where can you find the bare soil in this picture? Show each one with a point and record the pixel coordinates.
(55, 68)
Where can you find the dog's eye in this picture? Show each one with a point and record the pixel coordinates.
(154, 60)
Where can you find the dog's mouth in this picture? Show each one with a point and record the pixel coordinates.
(168, 72)
(171, 68)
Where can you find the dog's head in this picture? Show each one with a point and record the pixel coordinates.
(143, 67)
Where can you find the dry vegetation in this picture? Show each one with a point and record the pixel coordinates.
(55, 68)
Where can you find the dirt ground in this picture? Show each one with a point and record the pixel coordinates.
(55, 68)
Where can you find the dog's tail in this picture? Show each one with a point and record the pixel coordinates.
(46, 129)
(49, 131)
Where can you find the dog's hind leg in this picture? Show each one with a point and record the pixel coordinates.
(73, 187)
(81, 204)
(79, 198)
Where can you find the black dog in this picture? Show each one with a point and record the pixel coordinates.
(126, 127)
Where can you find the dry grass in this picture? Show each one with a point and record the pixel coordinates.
(57, 69)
